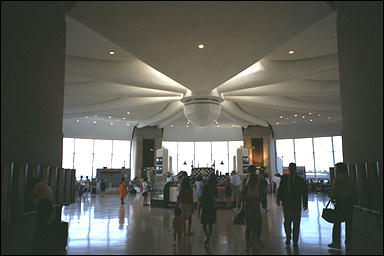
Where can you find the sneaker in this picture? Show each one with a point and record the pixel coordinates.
(335, 246)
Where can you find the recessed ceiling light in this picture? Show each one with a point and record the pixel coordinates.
(171, 125)
(201, 46)
(291, 52)
(310, 120)
(77, 120)
(86, 117)
(281, 117)
(328, 118)
(287, 118)
(233, 125)
(277, 123)
(94, 122)
(111, 52)
(318, 114)
(293, 121)
(295, 115)
(111, 123)
(127, 124)
(309, 113)
(123, 118)
(128, 113)
(109, 117)
(303, 117)
(95, 115)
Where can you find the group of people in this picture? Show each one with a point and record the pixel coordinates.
(291, 192)
(83, 186)
(143, 185)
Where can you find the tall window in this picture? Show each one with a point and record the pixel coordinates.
(68, 153)
(102, 154)
(323, 155)
(121, 154)
(316, 154)
(338, 149)
(285, 150)
(220, 155)
(304, 154)
(186, 155)
(83, 157)
(203, 154)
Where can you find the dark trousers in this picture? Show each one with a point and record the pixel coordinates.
(344, 207)
(292, 216)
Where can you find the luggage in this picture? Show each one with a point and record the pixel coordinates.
(57, 236)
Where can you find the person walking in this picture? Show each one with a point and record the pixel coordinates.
(235, 184)
(276, 182)
(122, 189)
(80, 190)
(212, 181)
(292, 193)
(343, 191)
(199, 190)
(186, 201)
(87, 184)
(208, 211)
(178, 225)
(228, 190)
(251, 196)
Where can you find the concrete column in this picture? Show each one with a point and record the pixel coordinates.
(269, 150)
(32, 81)
(139, 134)
(360, 49)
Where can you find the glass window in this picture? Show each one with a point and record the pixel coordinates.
(323, 155)
(285, 150)
(103, 151)
(203, 155)
(121, 154)
(68, 150)
(220, 154)
(304, 154)
(186, 154)
(83, 157)
(172, 152)
(233, 146)
(338, 149)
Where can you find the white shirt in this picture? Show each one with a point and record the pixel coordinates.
(145, 186)
(81, 182)
(276, 180)
(236, 180)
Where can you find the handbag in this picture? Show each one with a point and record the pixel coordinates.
(239, 217)
(330, 215)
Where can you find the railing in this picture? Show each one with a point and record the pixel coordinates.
(368, 179)
(16, 192)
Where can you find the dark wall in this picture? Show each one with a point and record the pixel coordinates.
(148, 152)
(360, 50)
(32, 81)
(257, 152)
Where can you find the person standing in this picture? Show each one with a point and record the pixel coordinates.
(145, 191)
(235, 183)
(199, 190)
(80, 191)
(343, 192)
(208, 211)
(251, 197)
(122, 189)
(228, 190)
(87, 183)
(276, 182)
(186, 201)
(292, 193)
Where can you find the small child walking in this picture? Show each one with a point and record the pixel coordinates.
(178, 225)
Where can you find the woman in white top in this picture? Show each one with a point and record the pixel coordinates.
(145, 191)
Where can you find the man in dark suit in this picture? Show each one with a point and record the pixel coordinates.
(293, 193)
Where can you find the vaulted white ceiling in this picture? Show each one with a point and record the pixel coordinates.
(157, 60)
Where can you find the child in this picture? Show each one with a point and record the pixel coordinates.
(122, 189)
(178, 225)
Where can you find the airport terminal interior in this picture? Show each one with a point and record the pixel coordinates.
(108, 107)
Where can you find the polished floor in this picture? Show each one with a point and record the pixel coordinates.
(99, 225)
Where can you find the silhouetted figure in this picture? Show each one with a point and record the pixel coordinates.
(212, 181)
(342, 192)
(293, 193)
(122, 189)
(208, 212)
(186, 200)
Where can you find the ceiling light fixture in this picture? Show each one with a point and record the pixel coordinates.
(111, 52)
(293, 121)
(77, 120)
(128, 113)
(171, 125)
(309, 113)
(109, 117)
(310, 120)
(123, 118)
(94, 122)
(328, 118)
(295, 115)
(277, 123)
(201, 46)
(291, 52)
(127, 124)
(281, 117)
(303, 117)
(111, 123)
